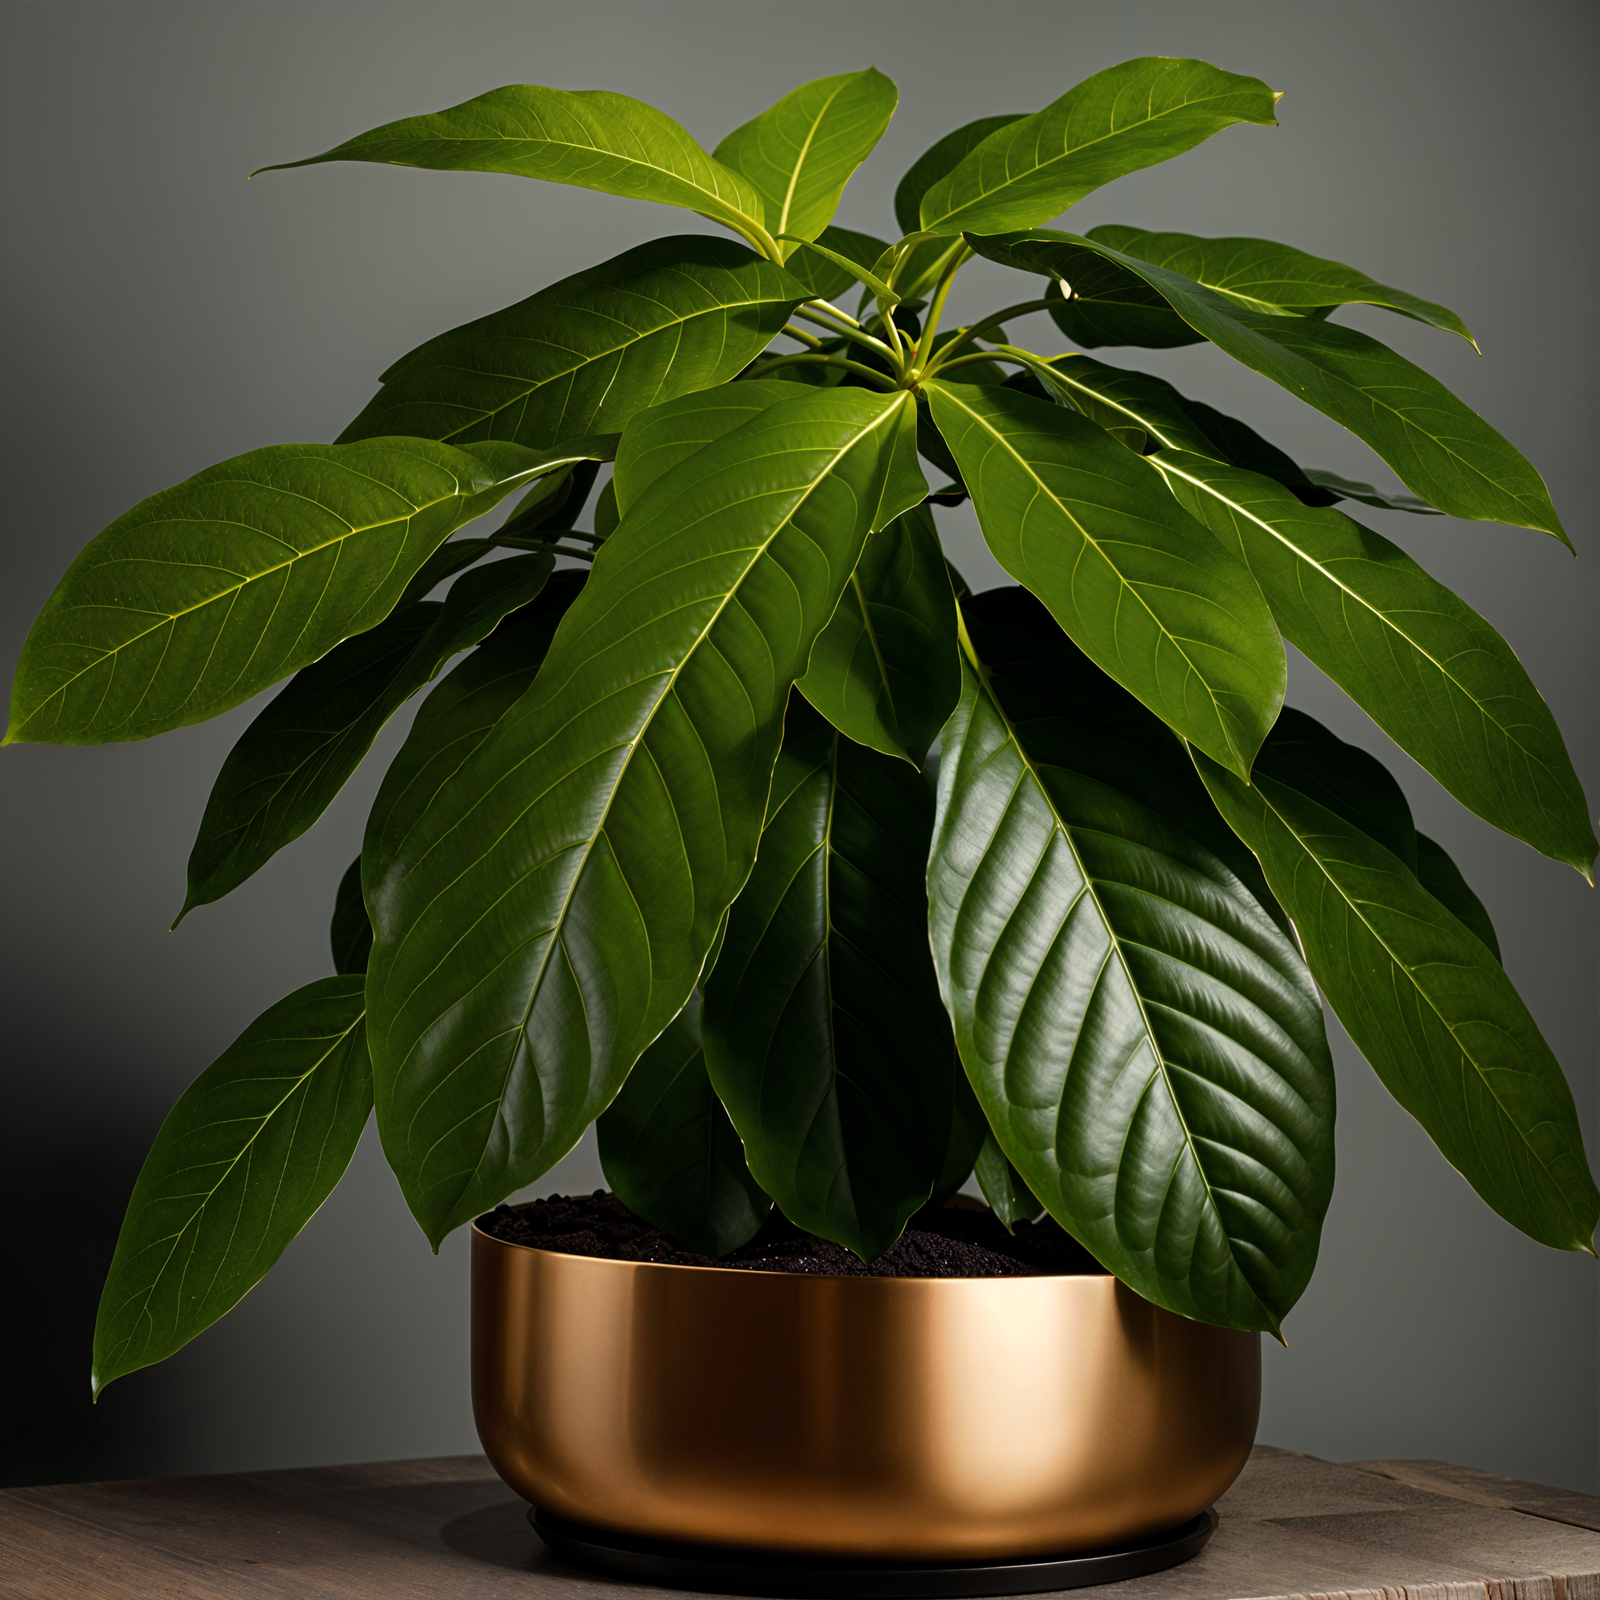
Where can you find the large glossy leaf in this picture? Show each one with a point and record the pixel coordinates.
(551, 910)
(581, 357)
(886, 670)
(292, 761)
(1145, 1042)
(1426, 1002)
(208, 593)
(1129, 575)
(800, 153)
(1272, 278)
(823, 1030)
(1439, 448)
(591, 138)
(1127, 117)
(941, 157)
(254, 1145)
(456, 718)
(1422, 663)
(662, 436)
(669, 1151)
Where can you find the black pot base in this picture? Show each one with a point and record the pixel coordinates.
(716, 1570)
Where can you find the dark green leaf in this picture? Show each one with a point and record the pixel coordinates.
(886, 670)
(1275, 279)
(254, 1145)
(942, 157)
(606, 515)
(1127, 117)
(293, 760)
(968, 1130)
(1069, 513)
(1047, 677)
(1146, 1044)
(1102, 304)
(591, 138)
(1426, 1003)
(1442, 878)
(581, 357)
(208, 593)
(577, 870)
(1003, 1186)
(669, 1151)
(350, 933)
(823, 1030)
(800, 153)
(1420, 661)
(457, 717)
(1439, 448)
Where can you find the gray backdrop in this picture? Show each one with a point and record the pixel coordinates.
(162, 314)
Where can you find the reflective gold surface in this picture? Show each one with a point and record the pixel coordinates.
(933, 1419)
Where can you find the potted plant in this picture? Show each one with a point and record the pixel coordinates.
(660, 850)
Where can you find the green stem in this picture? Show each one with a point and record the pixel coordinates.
(976, 330)
(852, 332)
(967, 361)
(804, 337)
(548, 546)
(834, 311)
(936, 310)
(831, 361)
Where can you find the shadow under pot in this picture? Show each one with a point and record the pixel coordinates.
(749, 1431)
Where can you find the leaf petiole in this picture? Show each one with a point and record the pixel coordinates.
(877, 377)
(999, 317)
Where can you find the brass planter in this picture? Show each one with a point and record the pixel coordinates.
(950, 1419)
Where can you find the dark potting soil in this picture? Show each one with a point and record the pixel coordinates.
(952, 1241)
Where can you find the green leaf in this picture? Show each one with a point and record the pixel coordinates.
(940, 158)
(1426, 1003)
(1421, 662)
(1009, 1196)
(590, 138)
(606, 515)
(1127, 117)
(1438, 447)
(1442, 878)
(1144, 1041)
(968, 1130)
(254, 1145)
(823, 275)
(800, 153)
(823, 1030)
(582, 356)
(886, 670)
(1103, 304)
(575, 871)
(662, 436)
(208, 593)
(291, 762)
(350, 933)
(457, 717)
(1274, 279)
(1134, 580)
(1118, 399)
(670, 1153)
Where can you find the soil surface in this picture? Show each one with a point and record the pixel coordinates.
(954, 1241)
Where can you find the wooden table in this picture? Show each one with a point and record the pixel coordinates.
(448, 1529)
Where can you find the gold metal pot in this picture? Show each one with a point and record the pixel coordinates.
(934, 1419)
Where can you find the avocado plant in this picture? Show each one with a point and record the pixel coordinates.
(742, 827)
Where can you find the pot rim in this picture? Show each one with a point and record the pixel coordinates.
(769, 1272)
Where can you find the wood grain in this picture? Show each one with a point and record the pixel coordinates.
(1293, 1528)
